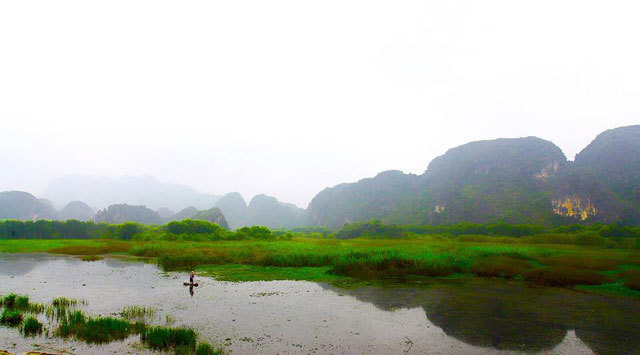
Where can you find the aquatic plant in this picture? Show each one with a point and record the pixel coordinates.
(93, 330)
(136, 312)
(11, 317)
(159, 337)
(9, 301)
(21, 303)
(91, 258)
(31, 326)
(205, 348)
(63, 302)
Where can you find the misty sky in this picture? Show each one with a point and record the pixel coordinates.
(289, 97)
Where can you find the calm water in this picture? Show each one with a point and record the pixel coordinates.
(467, 317)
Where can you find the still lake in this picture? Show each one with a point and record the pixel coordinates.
(432, 316)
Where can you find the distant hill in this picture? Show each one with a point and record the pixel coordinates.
(22, 205)
(185, 213)
(234, 208)
(121, 213)
(267, 211)
(521, 180)
(140, 190)
(165, 213)
(76, 210)
(213, 215)
(366, 199)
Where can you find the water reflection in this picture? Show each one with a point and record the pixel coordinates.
(516, 317)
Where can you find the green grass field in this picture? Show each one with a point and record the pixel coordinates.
(588, 267)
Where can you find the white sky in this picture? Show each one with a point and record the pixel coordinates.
(289, 97)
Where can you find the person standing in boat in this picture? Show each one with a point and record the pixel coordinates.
(191, 276)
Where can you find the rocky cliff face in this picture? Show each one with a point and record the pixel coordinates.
(603, 184)
(126, 213)
(523, 180)
(213, 215)
(24, 206)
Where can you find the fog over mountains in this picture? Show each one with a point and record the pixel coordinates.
(515, 180)
(101, 192)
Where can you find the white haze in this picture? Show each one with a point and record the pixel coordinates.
(289, 97)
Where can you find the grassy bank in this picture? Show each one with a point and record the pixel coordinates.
(315, 259)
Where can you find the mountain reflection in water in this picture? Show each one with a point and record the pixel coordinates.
(514, 316)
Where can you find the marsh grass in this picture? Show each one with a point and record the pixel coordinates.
(163, 338)
(11, 317)
(564, 276)
(31, 326)
(87, 249)
(137, 312)
(94, 330)
(632, 279)
(21, 303)
(500, 266)
(91, 258)
(205, 348)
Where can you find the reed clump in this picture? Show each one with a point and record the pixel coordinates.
(11, 317)
(137, 312)
(31, 326)
(162, 338)
(94, 330)
(13, 301)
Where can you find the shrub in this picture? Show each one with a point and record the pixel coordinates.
(592, 239)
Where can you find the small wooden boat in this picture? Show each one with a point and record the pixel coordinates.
(195, 284)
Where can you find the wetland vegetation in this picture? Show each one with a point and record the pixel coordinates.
(65, 320)
(600, 259)
(605, 256)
